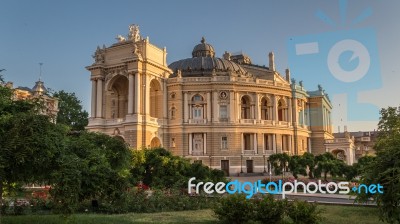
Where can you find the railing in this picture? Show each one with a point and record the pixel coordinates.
(268, 152)
(247, 121)
(336, 140)
(197, 121)
(249, 152)
(197, 153)
(267, 122)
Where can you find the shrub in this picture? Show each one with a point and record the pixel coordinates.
(234, 209)
(302, 212)
(269, 210)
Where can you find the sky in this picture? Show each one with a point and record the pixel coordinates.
(63, 35)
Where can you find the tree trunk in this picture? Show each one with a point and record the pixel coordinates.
(1, 197)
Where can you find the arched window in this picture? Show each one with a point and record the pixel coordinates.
(197, 107)
(245, 107)
(282, 110)
(172, 113)
(266, 109)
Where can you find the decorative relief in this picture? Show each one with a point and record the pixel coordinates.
(223, 95)
(99, 55)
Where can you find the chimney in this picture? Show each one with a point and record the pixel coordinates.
(287, 71)
(345, 128)
(271, 61)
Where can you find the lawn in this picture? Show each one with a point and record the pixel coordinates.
(332, 214)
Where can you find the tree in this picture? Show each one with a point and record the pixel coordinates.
(327, 163)
(279, 161)
(384, 169)
(309, 160)
(29, 142)
(70, 111)
(158, 168)
(94, 166)
(297, 165)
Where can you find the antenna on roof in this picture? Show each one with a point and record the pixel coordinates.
(40, 67)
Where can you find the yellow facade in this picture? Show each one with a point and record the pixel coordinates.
(224, 112)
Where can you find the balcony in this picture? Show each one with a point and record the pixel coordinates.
(197, 153)
(197, 121)
(248, 121)
(249, 152)
(267, 122)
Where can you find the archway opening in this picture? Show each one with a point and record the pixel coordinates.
(119, 97)
(155, 143)
(245, 107)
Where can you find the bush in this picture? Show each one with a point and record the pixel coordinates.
(234, 209)
(302, 212)
(269, 210)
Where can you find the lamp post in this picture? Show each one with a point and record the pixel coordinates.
(264, 164)
(210, 160)
(270, 170)
(241, 163)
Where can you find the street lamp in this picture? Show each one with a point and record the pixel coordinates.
(241, 163)
(210, 160)
(270, 170)
(264, 164)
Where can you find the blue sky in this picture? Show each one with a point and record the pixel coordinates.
(64, 34)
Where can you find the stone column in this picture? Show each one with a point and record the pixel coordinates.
(274, 143)
(138, 86)
(289, 139)
(130, 93)
(275, 110)
(242, 142)
(190, 143)
(215, 106)
(290, 110)
(239, 109)
(185, 108)
(255, 144)
(257, 109)
(232, 106)
(205, 143)
(94, 94)
(99, 111)
(146, 87)
(209, 107)
(165, 100)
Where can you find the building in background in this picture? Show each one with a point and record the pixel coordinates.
(38, 92)
(223, 112)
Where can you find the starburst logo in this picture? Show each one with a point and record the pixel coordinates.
(344, 61)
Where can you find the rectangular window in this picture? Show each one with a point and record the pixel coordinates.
(266, 142)
(224, 142)
(223, 111)
(172, 142)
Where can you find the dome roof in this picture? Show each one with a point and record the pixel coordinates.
(206, 64)
(39, 88)
(204, 60)
(203, 49)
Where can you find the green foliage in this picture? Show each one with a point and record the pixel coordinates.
(70, 111)
(302, 212)
(234, 209)
(158, 168)
(94, 166)
(297, 165)
(279, 161)
(327, 164)
(269, 210)
(384, 169)
(309, 161)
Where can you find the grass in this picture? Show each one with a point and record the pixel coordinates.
(331, 214)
